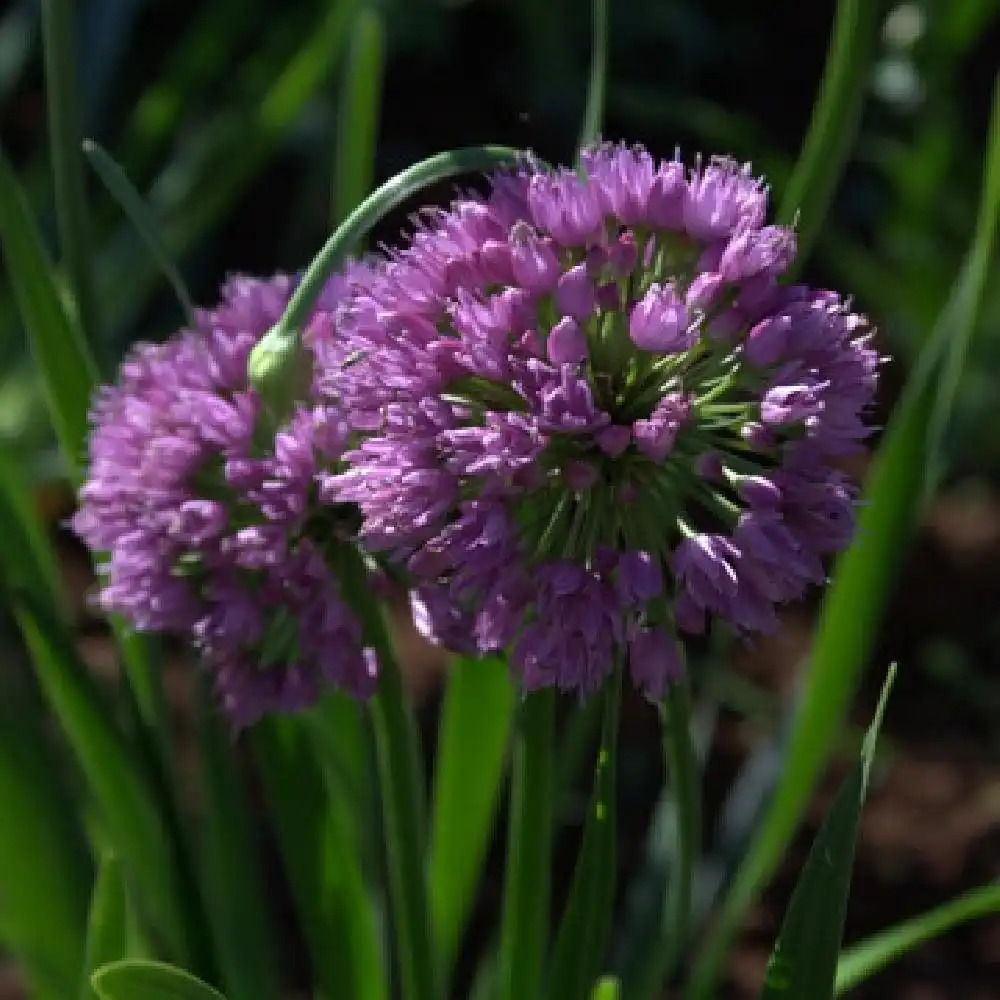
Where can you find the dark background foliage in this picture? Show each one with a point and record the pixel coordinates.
(224, 114)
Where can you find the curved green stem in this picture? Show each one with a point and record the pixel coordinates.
(594, 112)
(378, 204)
(524, 931)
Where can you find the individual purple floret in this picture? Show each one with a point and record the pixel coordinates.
(206, 524)
(592, 417)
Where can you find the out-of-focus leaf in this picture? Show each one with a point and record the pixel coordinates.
(61, 88)
(44, 865)
(320, 856)
(527, 886)
(803, 965)
(108, 923)
(473, 736)
(835, 119)
(139, 215)
(64, 361)
(582, 938)
(607, 988)
(593, 114)
(358, 114)
(867, 957)
(141, 979)
(894, 496)
(233, 887)
(118, 787)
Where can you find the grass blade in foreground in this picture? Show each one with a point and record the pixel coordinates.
(44, 867)
(607, 988)
(233, 887)
(473, 735)
(582, 939)
(864, 959)
(320, 857)
(526, 898)
(803, 965)
(137, 979)
(674, 926)
(835, 118)
(108, 924)
(64, 361)
(121, 189)
(126, 803)
(358, 113)
(892, 502)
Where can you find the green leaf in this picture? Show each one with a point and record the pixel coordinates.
(803, 965)
(44, 864)
(835, 118)
(61, 87)
(867, 957)
(121, 189)
(473, 736)
(108, 923)
(583, 930)
(125, 800)
(894, 496)
(233, 887)
(65, 364)
(320, 856)
(527, 886)
(358, 114)
(593, 114)
(672, 927)
(607, 988)
(140, 979)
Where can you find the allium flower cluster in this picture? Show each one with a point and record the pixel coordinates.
(209, 523)
(590, 416)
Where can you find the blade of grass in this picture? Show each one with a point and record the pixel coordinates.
(69, 374)
(894, 496)
(64, 361)
(123, 797)
(108, 923)
(44, 864)
(524, 929)
(131, 203)
(673, 926)
(234, 889)
(582, 939)
(835, 118)
(473, 735)
(803, 964)
(862, 960)
(61, 88)
(593, 115)
(358, 112)
(320, 857)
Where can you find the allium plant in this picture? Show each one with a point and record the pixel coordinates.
(207, 513)
(590, 415)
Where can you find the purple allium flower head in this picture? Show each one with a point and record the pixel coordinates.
(592, 416)
(205, 524)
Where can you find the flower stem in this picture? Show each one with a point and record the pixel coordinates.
(682, 764)
(397, 747)
(525, 927)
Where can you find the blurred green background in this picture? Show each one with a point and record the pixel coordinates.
(226, 115)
